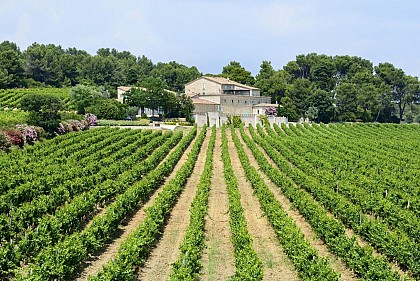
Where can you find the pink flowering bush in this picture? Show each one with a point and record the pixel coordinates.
(271, 111)
(62, 129)
(30, 134)
(77, 125)
(91, 119)
(15, 137)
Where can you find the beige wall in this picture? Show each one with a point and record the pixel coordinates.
(203, 87)
(203, 108)
(231, 104)
(120, 95)
(212, 98)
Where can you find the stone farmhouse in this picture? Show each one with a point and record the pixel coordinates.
(216, 98)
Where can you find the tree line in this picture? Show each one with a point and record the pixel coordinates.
(319, 87)
(51, 65)
(340, 88)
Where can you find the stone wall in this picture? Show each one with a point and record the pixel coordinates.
(214, 118)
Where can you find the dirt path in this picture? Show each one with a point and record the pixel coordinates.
(218, 261)
(336, 263)
(277, 265)
(158, 266)
(129, 225)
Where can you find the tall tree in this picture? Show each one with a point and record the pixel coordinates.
(175, 75)
(11, 65)
(322, 102)
(43, 63)
(271, 82)
(403, 87)
(346, 101)
(237, 73)
(136, 97)
(155, 96)
(323, 72)
(295, 100)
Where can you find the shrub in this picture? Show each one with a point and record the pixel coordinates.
(409, 118)
(108, 109)
(29, 133)
(4, 141)
(144, 122)
(15, 137)
(236, 121)
(91, 119)
(77, 125)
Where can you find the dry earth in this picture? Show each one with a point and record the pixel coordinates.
(158, 266)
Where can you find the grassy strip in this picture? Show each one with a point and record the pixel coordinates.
(61, 260)
(137, 247)
(305, 259)
(188, 265)
(248, 265)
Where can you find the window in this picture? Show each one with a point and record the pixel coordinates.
(232, 101)
(224, 100)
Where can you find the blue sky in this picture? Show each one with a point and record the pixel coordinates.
(211, 33)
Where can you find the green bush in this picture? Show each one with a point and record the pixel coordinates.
(108, 109)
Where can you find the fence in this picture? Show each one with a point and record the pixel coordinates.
(218, 119)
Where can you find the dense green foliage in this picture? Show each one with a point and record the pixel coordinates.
(51, 65)
(319, 87)
(43, 111)
(340, 88)
(12, 118)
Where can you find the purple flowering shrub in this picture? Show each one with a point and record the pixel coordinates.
(29, 133)
(90, 118)
(62, 129)
(271, 111)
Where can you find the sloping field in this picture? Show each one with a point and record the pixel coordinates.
(11, 98)
(337, 202)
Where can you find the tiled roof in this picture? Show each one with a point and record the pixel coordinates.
(202, 101)
(224, 81)
(124, 88)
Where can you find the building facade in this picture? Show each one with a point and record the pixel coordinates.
(215, 98)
